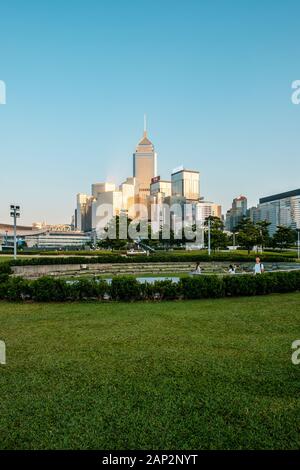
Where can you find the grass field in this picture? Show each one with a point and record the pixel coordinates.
(210, 374)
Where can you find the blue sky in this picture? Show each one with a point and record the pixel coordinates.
(214, 78)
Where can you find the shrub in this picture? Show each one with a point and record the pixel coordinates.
(5, 268)
(164, 290)
(167, 257)
(83, 289)
(202, 287)
(240, 285)
(287, 281)
(15, 288)
(47, 289)
(125, 288)
(3, 277)
(267, 283)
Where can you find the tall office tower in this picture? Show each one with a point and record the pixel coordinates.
(186, 183)
(144, 165)
(281, 209)
(236, 213)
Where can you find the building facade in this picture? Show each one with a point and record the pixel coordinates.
(205, 209)
(236, 213)
(144, 166)
(280, 209)
(186, 183)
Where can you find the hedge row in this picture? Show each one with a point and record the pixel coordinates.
(155, 258)
(46, 289)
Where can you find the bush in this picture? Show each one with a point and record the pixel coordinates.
(84, 289)
(5, 268)
(165, 290)
(167, 257)
(267, 283)
(15, 288)
(202, 287)
(240, 285)
(125, 288)
(287, 281)
(3, 277)
(47, 289)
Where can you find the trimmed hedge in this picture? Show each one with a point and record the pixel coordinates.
(154, 258)
(124, 288)
(5, 271)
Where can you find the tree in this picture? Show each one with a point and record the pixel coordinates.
(248, 234)
(263, 227)
(215, 222)
(111, 241)
(283, 237)
(218, 239)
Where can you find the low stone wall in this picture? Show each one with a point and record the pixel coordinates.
(35, 271)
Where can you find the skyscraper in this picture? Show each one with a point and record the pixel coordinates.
(144, 165)
(186, 183)
(236, 213)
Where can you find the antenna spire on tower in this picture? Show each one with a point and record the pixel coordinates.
(145, 124)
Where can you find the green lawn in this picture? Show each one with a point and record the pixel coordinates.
(210, 374)
(5, 258)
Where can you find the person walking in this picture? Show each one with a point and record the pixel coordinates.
(258, 267)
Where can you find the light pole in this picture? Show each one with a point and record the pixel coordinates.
(209, 241)
(298, 244)
(15, 213)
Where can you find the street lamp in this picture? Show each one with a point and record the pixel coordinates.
(298, 244)
(15, 213)
(209, 239)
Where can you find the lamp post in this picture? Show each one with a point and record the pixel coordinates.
(298, 244)
(209, 240)
(15, 213)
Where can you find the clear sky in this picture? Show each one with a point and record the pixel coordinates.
(213, 77)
